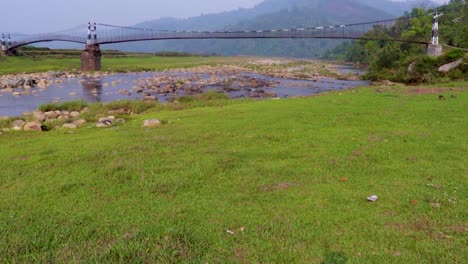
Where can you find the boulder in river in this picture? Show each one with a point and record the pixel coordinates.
(150, 98)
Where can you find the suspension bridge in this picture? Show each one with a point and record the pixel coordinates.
(92, 35)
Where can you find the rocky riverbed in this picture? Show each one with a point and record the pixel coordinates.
(263, 79)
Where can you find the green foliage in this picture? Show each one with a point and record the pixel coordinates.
(424, 70)
(210, 95)
(335, 258)
(66, 106)
(53, 123)
(6, 122)
(392, 60)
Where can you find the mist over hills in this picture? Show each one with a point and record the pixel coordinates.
(270, 14)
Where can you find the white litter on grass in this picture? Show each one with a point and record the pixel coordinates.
(230, 232)
(372, 198)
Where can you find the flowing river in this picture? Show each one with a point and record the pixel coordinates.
(131, 86)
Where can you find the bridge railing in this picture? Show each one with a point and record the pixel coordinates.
(106, 34)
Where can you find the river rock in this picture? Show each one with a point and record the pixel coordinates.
(42, 84)
(34, 126)
(105, 122)
(18, 123)
(70, 126)
(39, 116)
(411, 66)
(74, 114)
(152, 123)
(79, 122)
(150, 98)
(50, 115)
(450, 66)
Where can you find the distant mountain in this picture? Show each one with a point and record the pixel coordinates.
(398, 8)
(271, 14)
(219, 20)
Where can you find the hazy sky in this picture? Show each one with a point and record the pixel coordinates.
(35, 16)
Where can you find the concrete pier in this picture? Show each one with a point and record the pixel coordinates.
(8, 52)
(91, 58)
(434, 50)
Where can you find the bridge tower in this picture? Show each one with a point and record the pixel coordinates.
(91, 55)
(434, 48)
(3, 47)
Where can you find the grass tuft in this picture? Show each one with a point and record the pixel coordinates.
(66, 106)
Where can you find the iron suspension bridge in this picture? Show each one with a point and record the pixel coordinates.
(95, 34)
(109, 34)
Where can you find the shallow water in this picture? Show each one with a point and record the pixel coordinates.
(349, 69)
(106, 89)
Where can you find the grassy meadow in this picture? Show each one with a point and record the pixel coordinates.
(273, 181)
(12, 65)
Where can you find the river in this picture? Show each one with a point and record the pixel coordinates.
(121, 86)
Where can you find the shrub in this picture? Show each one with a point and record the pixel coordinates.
(137, 106)
(455, 74)
(52, 123)
(67, 106)
(6, 122)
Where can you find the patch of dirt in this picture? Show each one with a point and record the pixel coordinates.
(426, 90)
(359, 153)
(373, 138)
(398, 226)
(460, 228)
(423, 225)
(278, 186)
(240, 256)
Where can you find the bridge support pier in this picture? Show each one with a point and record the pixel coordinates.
(7, 52)
(434, 50)
(91, 58)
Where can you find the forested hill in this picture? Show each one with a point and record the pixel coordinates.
(269, 14)
(403, 62)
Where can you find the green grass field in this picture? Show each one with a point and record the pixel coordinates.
(12, 65)
(289, 177)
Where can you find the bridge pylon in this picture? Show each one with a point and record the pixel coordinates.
(434, 48)
(4, 48)
(91, 55)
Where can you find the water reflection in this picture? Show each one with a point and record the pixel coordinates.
(109, 88)
(92, 89)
